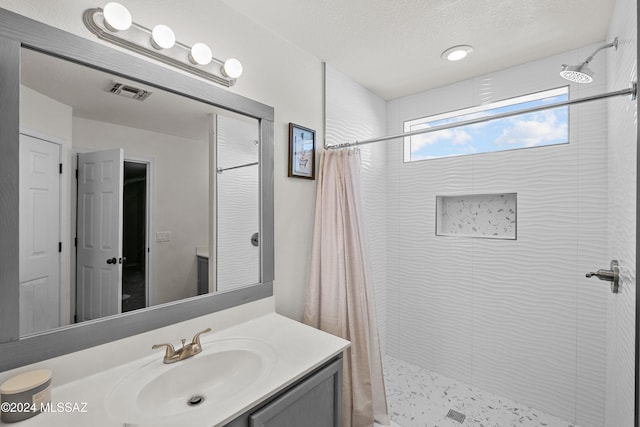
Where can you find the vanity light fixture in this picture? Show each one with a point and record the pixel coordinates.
(232, 68)
(162, 37)
(116, 17)
(200, 54)
(114, 24)
(456, 53)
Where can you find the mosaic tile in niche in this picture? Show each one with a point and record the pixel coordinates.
(477, 215)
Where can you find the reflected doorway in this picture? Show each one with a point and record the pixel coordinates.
(112, 254)
(134, 239)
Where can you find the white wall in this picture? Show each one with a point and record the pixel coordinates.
(622, 154)
(180, 198)
(276, 73)
(45, 115)
(354, 113)
(514, 317)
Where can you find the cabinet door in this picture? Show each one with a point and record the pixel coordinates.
(316, 402)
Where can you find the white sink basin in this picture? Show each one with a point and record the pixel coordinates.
(157, 393)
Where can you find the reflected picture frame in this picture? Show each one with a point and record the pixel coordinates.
(302, 152)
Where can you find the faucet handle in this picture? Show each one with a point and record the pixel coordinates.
(170, 350)
(196, 338)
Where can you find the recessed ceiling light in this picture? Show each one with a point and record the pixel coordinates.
(457, 53)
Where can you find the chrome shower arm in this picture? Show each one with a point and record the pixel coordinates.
(613, 44)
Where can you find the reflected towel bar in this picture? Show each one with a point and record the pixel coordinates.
(220, 170)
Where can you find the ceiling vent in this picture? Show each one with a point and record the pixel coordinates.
(128, 91)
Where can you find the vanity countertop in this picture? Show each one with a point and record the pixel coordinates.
(299, 348)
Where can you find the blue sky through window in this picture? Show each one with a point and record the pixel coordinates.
(547, 127)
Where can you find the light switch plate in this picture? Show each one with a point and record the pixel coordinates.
(163, 236)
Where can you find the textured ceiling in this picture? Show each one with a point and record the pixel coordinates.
(393, 47)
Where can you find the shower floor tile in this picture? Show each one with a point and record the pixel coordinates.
(417, 397)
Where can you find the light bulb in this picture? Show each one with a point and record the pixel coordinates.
(200, 54)
(116, 17)
(457, 53)
(232, 68)
(162, 37)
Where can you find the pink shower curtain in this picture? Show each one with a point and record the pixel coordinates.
(340, 296)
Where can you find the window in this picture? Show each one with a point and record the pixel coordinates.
(546, 127)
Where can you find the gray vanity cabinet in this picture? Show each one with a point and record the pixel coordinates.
(314, 401)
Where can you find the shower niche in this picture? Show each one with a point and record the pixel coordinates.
(489, 216)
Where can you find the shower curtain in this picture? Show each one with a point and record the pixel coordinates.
(340, 295)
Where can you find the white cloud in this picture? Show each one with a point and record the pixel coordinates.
(454, 136)
(460, 137)
(535, 129)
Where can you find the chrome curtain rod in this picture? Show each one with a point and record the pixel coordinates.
(632, 90)
(220, 170)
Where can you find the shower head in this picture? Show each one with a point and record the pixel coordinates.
(581, 73)
(577, 73)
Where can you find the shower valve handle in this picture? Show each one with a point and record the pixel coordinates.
(607, 275)
(612, 275)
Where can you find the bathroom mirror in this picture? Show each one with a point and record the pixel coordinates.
(230, 143)
(153, 217)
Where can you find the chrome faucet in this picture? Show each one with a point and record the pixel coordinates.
(172, 355)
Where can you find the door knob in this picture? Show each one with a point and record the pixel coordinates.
(612, 275)
(122, 260)
(112, 260)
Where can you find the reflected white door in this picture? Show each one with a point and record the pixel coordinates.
(39, 235)
(99, 251)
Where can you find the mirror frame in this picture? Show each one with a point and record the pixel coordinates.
(16, 32)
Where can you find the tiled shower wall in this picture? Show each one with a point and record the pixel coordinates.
(238, 261)
(623, 123)
(517, 318)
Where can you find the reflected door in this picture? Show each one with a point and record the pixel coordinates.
(39, 235)
(99, 251)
